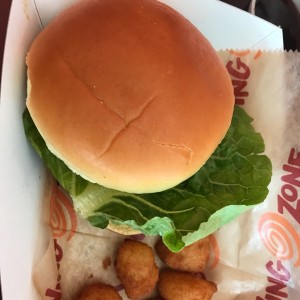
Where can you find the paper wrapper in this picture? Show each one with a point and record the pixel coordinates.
(256, 256)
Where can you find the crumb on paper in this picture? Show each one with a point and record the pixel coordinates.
(106, 262)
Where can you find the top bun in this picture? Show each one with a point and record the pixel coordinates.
(129, 94)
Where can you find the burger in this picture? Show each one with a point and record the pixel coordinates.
(133, 112)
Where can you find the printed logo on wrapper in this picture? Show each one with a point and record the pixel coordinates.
(279, 237)
(63, 218)
(240, 73)
(278, 233)
(63, 222)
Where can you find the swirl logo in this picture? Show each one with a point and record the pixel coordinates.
(279, 237)
(63, 220)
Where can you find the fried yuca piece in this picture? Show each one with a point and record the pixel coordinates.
(192, 258)
(99, 291)
(136, 269)
(178, 285)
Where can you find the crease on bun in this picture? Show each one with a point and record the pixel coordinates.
(129, 94)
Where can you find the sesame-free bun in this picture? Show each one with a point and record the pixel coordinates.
(129, 94)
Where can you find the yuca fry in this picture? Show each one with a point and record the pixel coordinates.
(192, 258)
(177, 285)
(136, 269)
(99, 291)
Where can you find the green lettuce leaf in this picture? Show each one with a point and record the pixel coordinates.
(234, 178)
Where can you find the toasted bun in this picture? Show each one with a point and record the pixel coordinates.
(128, 93)
(122, 229)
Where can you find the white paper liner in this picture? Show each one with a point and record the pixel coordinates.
(257, 256)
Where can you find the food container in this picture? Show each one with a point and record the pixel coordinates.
(23, 236)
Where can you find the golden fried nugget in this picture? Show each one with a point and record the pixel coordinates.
(192, 258)
(177, 285)
(136, 269)
(99, 291)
